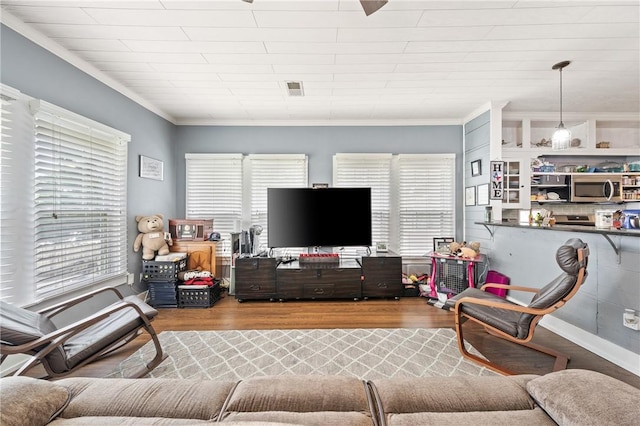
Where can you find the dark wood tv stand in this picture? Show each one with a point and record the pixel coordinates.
(341, 280)
(371, 276)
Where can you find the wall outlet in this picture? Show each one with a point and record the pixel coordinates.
(631, 320)
(130, 278)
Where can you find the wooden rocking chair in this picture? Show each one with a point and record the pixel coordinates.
(64, 350)
(514, 322)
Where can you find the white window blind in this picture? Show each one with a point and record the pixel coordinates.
(273, 171)
(426, 200)
(214, 190)
(80, 211)
(16, 194)
(372, 171)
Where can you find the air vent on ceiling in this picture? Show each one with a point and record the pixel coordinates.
(295, 88)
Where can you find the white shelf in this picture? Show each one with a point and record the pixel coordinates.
(523, 136)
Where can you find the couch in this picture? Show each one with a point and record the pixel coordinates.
(569, 397)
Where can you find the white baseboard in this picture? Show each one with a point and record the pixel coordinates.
(618, 355)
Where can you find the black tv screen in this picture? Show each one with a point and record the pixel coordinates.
(306, 217)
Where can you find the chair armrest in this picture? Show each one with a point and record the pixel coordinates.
(502, 305)
(62, 306)
(58, 337)
(510, 287)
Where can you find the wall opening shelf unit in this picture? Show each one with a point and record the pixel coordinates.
(590, 136)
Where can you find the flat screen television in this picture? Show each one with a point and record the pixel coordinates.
(306, 217)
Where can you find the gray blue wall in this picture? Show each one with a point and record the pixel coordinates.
(476, 147)
(320, 144)
(38, 73)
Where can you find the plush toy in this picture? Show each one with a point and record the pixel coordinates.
(468, 251)
(151, 237)
(455, 246)
(475, 246)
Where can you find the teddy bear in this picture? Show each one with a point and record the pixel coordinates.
(151, 237)
(468, 251)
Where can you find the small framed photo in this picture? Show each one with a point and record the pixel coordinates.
(476, 168)
(381, 247)
(150, 168)
(470, 196)
(482, 194)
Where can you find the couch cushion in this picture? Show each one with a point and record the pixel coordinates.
(170, 398)
(300, 399)
(473, 418)
(127, 421)
(26, 401)
(453, 394)
(317, 418)
(582, 397)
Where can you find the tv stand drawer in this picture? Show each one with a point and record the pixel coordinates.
(255, 278)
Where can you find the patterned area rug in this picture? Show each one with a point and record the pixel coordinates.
(363, 353)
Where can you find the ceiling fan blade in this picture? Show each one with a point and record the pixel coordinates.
(371, 6)
(248, 1)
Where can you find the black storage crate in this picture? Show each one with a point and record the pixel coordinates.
(162, 271)
(163, 295)
(190, 296)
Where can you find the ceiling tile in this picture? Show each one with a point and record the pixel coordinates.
(228, 60)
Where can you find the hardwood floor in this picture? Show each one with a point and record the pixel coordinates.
(409, 312)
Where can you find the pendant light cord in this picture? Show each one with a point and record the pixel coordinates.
(561, 123)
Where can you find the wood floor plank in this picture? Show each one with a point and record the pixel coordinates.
(409, 312)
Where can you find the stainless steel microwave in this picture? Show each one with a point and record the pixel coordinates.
(596, 188)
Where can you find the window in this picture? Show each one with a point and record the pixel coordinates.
(80, 210)
(214, 189)
(368, 170)
(232, 188)
(425, 200)
(64, 192)
(413, 196)
(273, 171)
(16, 193)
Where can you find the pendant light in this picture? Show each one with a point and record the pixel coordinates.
(561, 138)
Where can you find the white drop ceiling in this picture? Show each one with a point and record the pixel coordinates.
(229, 61)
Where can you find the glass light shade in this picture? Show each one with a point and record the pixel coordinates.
(561, 138)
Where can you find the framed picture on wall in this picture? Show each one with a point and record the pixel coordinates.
(470, 196)
(150, 168)
(476, 168)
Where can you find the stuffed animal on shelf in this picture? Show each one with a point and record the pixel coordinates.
(151, 237)
(468, 251)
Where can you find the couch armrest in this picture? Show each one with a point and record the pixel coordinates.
(583, 397)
